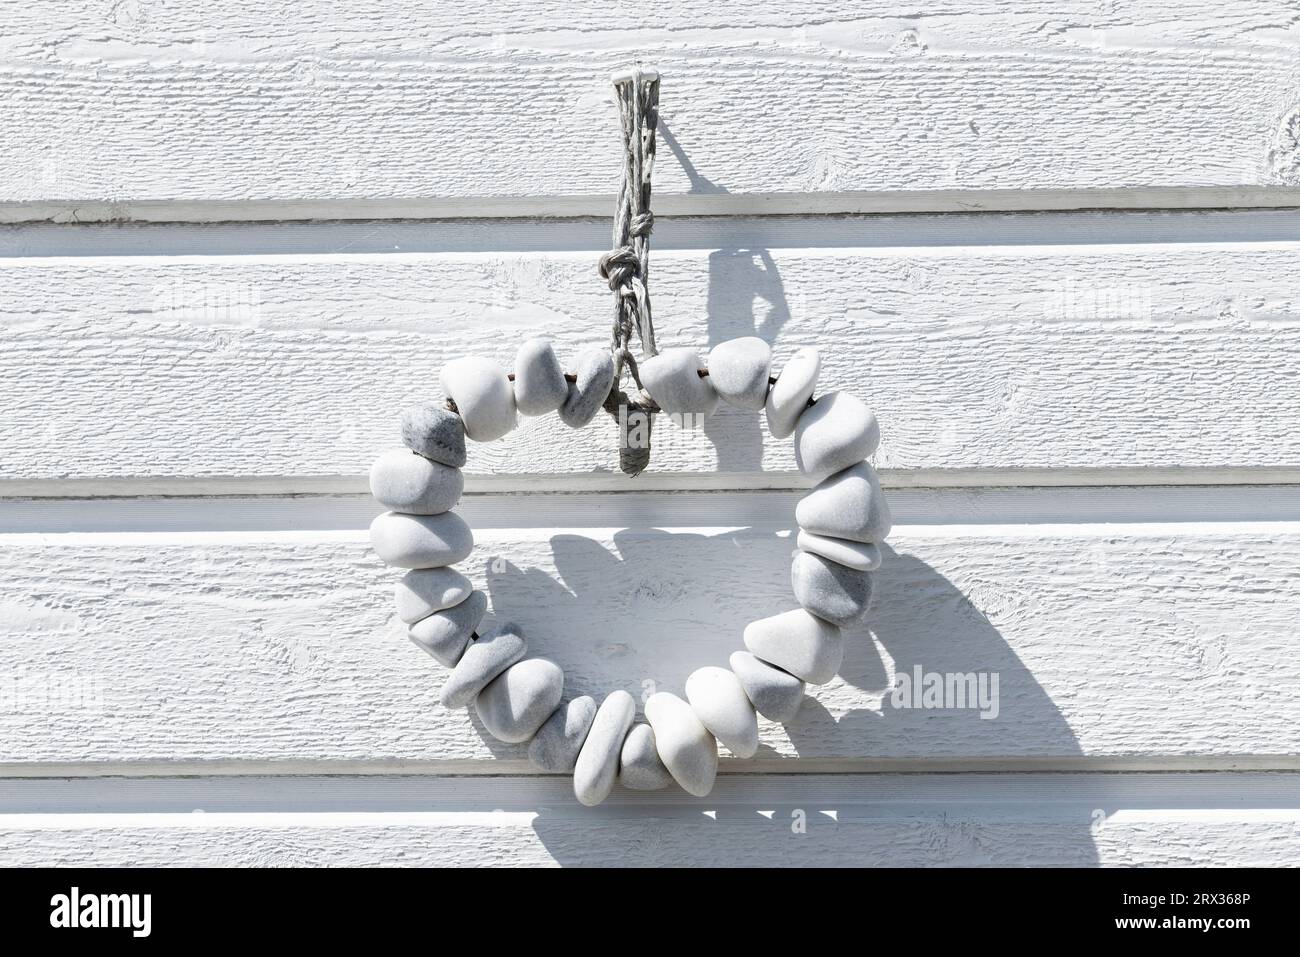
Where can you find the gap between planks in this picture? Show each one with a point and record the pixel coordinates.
(666, 204)
(1019, 510)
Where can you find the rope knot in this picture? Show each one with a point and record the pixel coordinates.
(642, 224)
(619, 267)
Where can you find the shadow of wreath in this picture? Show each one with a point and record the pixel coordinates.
(644, 608)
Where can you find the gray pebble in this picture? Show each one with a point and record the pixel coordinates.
(639, 766)
(406, 482)
(422, 591)
(833, 433)
(774, 693)
(863, 556)
(539, 380)
(436, 433)
(593, 379)
(556, 745)
(685, 746)
(799, 643)
(791, 392)
(483, 660)
(597, 765)
(421, 541)
(516, 702)
(673, 379)
(849, 505)
(739, 371)
(445, 634)
(829, 590)
(484, 397)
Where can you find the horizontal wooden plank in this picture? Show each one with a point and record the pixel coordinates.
(991, 343)
(323, 101)
(181, 644)
(912, 820)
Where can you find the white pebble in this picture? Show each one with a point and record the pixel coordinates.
(422, 591)
(445, 634)
(719, 701)
(597, 767)
(791, 391)
(864, 556)
(421, 541)
(848, 505)
(739, 370)
(639, 765)
(516, 702)
(833, 433)
(673, 380)
(406, 482)
(685, 746)
(540, 386)
(483, 395)
(799, 643)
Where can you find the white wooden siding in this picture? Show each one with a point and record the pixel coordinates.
(1089, 409)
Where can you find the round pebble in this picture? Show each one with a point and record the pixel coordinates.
(445, 634)
(791, 391)
(829, 590)
(864, 556)
(719, 701)
(833, 433)
(639, 766)
(516, 702)
(483, 660)
(483, 395)
(556, 745)
(848, 505)
(673, 379)
(597, 766)
(421, 541)
(685, 746)
(406, 482)
(422, 591)
(739, 371)
(774, 693)
(589, 390)
(799, 643)
(436, 433)
(540, 386)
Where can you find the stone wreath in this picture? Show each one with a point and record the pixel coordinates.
(520, 699)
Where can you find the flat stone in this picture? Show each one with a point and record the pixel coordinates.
(833, 433)
(863, 556)
(516, 702)
(685, 746)
(739, 370)
(483, 395)
(774, 693)
(673, 380)
(720, 702)
(540, 386)
(829, 590)
(406, 482)
(847, 505)
(422, 591)
(483, 660)
(445, 634)
(421, 541)
(593, 378)
(556, 745)
(436, 433)
(791, 391)
(797, 642)
(639, 766)
(597, 766)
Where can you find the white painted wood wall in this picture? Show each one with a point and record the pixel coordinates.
(1055, 245)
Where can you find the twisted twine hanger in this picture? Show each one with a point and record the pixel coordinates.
(626, 267)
